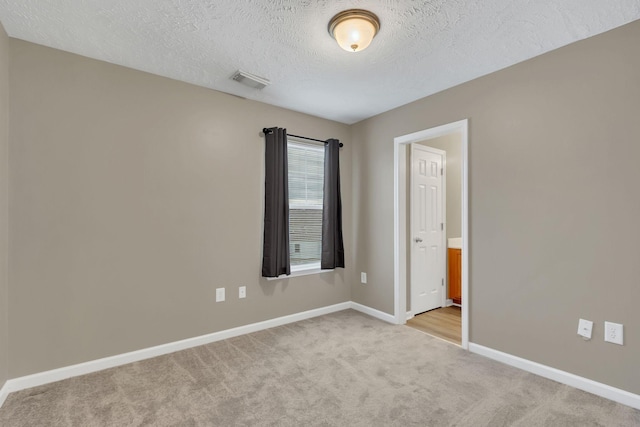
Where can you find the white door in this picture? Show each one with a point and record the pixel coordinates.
(427, 228)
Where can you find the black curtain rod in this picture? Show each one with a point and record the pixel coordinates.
(267, 131)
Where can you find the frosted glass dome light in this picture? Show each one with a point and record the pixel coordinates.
(354, 29)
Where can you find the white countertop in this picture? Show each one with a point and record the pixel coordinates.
(455, 243)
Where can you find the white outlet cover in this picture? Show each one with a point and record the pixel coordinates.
(219, 294)
(363, 277)
(242, 292)
(613, 333)
(585, 327)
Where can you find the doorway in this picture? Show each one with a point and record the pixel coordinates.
(401, 224)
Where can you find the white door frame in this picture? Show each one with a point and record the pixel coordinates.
(400, 144)
(443, 206)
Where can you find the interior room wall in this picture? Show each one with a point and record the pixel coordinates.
(553, 203)
(4, 197)
(452, 145)
(133, 198)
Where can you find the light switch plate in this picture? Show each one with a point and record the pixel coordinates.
(219, 294)
(585, 327)
(242, 292)
(363, 277)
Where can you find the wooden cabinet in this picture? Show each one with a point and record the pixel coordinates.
(455, 275)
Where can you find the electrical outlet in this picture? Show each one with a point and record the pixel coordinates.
(613, 333)
(363, 277)
(219, 294)
(584, 328)
(242, 292)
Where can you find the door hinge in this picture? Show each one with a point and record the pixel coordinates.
(442, 281)
(441, 171)
(442, 226)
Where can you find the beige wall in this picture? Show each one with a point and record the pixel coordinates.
(4, 194)
(554, 203)
(132, 198)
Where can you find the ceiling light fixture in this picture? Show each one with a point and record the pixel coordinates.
(354, 29)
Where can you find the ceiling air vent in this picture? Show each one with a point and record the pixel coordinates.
(250, 80)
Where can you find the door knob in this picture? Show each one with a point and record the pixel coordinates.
(418, 240)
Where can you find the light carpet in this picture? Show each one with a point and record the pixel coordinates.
(342, 369)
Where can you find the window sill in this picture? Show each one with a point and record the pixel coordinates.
(301, 272)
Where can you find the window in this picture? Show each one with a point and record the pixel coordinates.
(302, 226)
(306, 180)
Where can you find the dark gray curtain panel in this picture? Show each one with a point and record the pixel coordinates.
(332, 245)
(275, 249)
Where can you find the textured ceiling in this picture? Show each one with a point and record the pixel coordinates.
(423, 46)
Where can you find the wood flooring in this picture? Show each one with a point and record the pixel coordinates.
(445, 323)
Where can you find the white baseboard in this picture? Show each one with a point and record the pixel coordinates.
(46, 377)
(4, 392)
(373, 312)
(599, 389)
(448, 303)
(21, 383)
(410, 315)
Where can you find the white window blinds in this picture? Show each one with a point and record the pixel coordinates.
(306, 177)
